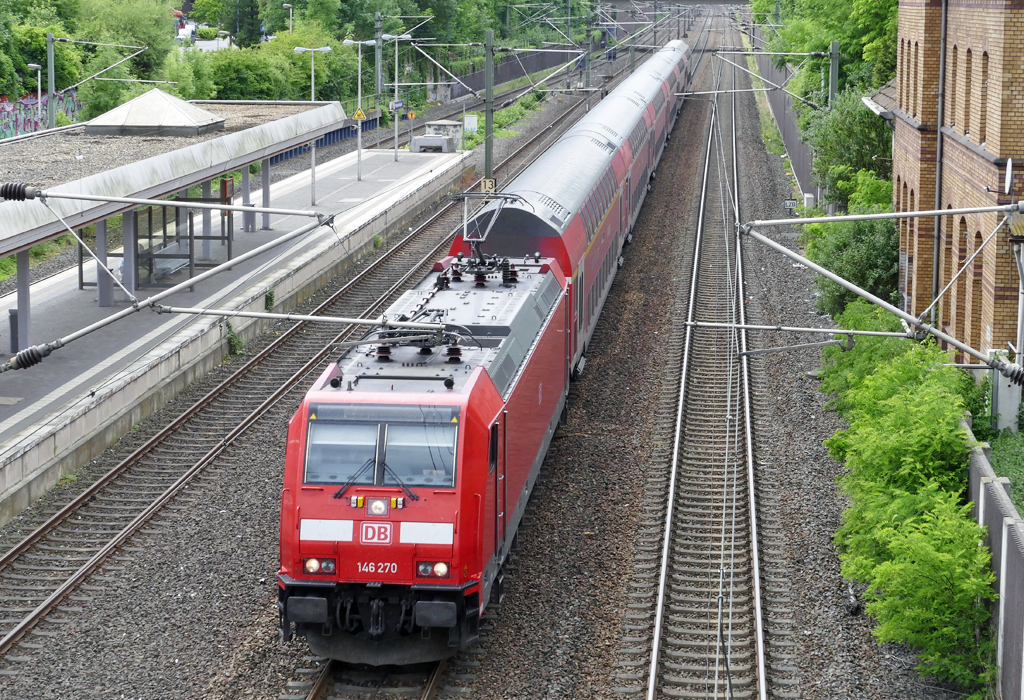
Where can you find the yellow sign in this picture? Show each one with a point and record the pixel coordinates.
(412, 115)
(487, 184)
(359, 114)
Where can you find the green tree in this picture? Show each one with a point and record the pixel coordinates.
(242, 19)
(847, 139)
(100, 96)
(10, 78)
(325, 13)
(191, 72)
(863, 252)
(135, 23)
(248, 74)
(31, 48)
(207, 12)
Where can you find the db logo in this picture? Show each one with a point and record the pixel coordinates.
(375, 533)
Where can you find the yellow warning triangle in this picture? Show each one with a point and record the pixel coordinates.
(312, 416)
(359, 114)
(455, 419)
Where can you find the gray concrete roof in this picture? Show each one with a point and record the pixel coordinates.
(24, 224)
(155, 113)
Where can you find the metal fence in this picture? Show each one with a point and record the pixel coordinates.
(1005, 539)
(512, 66)
(800, 154)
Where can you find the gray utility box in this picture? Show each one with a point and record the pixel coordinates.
(443, 136)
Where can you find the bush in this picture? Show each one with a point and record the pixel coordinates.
(207, 33)
(863, 252)
(907, 535)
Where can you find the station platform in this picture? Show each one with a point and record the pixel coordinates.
(63, 412)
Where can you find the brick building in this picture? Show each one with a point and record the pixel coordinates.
(980, 125)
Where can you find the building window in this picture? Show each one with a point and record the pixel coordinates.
(983, 116)
(967, 94)
(976, 294)
(951, 117)
(902, 81)
(914, 99)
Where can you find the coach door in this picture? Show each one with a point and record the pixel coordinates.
(625, 204)
(497, 451)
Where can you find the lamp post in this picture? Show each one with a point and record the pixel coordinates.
(39, 91)
(312, 67)
(389, 37)
(289, 17)
(359, 102)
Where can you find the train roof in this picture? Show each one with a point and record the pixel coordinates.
(554, 186)
(504, 322)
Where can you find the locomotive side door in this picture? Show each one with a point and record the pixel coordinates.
(498, 455)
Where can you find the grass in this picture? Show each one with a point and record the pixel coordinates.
(1008, 461)
(769, 129)
(36, 255)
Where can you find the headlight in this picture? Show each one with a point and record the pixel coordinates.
(377, 506)
(440, 569)
(327, 566)
(424, 568)
(312, 566)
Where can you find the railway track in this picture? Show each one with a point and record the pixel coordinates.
(47, 565)
(699, 624)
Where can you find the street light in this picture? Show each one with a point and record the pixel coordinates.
(359, 102)
(289, 17)
(39, 91)
(389, 37)
(312, 67)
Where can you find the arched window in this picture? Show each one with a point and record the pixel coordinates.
(914, 95)
(976, 294)
(911, 247)
(952, 91)
(902, 76)
(967, 94)
(960, 299)
(983, 116)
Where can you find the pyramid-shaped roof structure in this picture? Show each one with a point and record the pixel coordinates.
(155, 113)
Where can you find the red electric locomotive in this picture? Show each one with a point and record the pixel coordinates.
(410, 461)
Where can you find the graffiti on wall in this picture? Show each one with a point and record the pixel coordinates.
(23, 116)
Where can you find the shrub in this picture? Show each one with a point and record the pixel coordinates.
(928, 593)
(844, 370)
(61, 119)
(207, 33)
(863, 252)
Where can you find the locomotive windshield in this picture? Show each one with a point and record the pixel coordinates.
(382, 445)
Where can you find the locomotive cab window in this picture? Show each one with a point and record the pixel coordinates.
(382, 445)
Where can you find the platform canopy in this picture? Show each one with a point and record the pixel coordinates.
(155, 113)
(25, 224)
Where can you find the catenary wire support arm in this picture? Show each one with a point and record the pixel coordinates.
(110, 67)
(383, 321)
(102, 265)
(19, 192)
(33, 355)
(964, 267)
(1016, 207)
(768, 82)
(431, 59)
(1013, 372)
(797, 329)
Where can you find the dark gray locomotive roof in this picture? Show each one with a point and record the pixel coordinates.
(504, 320)
(558, 182)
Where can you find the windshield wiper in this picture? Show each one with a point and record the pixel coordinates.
(401, 484)
(366, 465)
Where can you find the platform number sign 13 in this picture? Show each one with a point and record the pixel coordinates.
(487, 185)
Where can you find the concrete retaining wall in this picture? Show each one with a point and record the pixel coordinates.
(33, 463)
(993, 509)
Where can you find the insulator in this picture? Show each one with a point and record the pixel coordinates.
(14, 191)
(1016, 375)
(29, 356)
